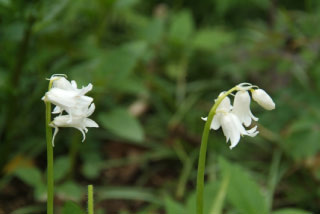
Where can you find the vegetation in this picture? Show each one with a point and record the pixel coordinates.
(156, 68)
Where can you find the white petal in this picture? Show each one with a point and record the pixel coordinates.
(62, 98)
(74, 84)
(215, 124)
(233, 129)
(56, 130)
(57, 110)
(90, 123)
(263, 99)
(62, 83)
(230, 129)
(91, 110)
(241, 107)
(83, 134)
(86, 89)
(204, 118)
(252, 132)
(225, 105)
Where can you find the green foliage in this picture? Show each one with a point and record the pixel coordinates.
(243, 192)
(122, 124)
(291, 211)
(156, 68)
(71, 208)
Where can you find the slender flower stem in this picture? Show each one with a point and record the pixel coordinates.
(90, 199)
(50, 181)
(203, 151)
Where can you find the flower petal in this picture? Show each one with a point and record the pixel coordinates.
(241, 107)
(57, 110)
(90, 123)
(230, 129)
(215, 124)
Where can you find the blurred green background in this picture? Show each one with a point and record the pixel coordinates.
(156, 67)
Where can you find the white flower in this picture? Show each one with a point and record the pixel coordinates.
(224, 107)
(263, 99)
(68, 101)
(231, 118)
(233, 129)
(79, 122)
(230, 123)
(241, 108)
(67, 97)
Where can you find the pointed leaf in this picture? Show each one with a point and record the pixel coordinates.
(72, 208)
(122, 124)
(243, 192)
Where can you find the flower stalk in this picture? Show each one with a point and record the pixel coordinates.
(50, 179)
(90, 199)
(232, 120)
(203, 151)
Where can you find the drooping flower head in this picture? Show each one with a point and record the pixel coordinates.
(232, 119)
(69, 99)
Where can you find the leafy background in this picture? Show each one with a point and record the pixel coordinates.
(157, 67)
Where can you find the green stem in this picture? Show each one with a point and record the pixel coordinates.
(90, 199)
(50, 179)
(203, 151)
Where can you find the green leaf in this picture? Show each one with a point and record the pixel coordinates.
(243, 191)
(40, 192)
(31, 176)
(212, 39)
(303, 130)
(92, 166)
(70, 190)
(173, 207)
(122, 124)
(128, 193)
(209, 195)
(181, 28)
(218, 202)
(61, 166)
(30, 209)
(72, 208)
(291, 211)
(124, 4)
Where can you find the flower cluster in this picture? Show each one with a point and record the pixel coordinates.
(234, 119)
(68, 98)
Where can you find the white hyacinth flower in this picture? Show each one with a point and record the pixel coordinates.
(67, 97)
(241, 108)
(232, 119)
(233, 129)
(66, 100)
(230, 123)
(263, 99)
(79, 122)
(224, 107)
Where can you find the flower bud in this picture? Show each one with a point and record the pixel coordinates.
(263, 99)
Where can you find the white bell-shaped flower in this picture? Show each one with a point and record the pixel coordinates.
(241, 108)
(79, 122)
(263, 99)
(67, 97)
(224, 107)
(233, 129)
(230, 123)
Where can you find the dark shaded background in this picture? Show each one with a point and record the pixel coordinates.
(157, 67)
